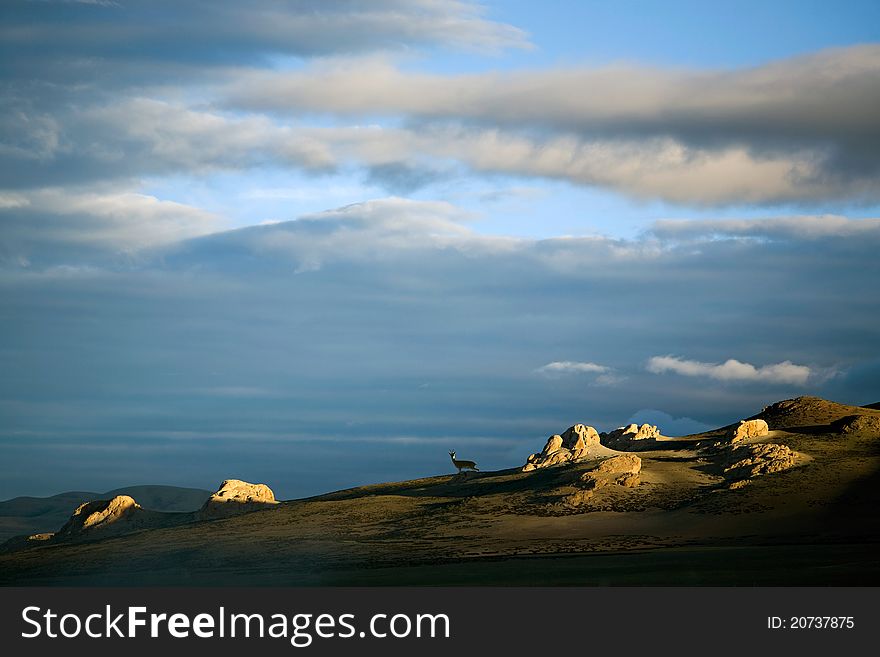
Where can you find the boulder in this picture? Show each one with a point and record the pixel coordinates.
(576, 442)
(623, 464)
(554, 442)
(25, 541)
(577, 499)
(748, 429)
(647, 432)
(622, 470)
(591, 481)
(561, 455)
(118, 514)
(628, 480)
(235, 497)
(579, 438)
(750, 461)
(625, 437)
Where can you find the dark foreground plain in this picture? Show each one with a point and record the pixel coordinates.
(689, 520)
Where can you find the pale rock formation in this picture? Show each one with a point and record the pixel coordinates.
(625, 437)
(623, 464)
(622, 470)
(24, 541)
(235, 497)
(647, 432)
(578, 498)
(628, 480)
(749, 461)
(577, 442)
(748, 429)
(554, 442)
(119, 513)
(579, 439)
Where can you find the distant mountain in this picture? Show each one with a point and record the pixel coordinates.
(31, 515)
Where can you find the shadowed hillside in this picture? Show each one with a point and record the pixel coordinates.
(31, 515)
(792, 502)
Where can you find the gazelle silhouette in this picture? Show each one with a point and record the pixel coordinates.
(463, 465)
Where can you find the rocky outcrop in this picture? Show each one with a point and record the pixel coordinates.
(235, 497)
(579, 439)
(577, 442)
(866, 425)
(616, 437)
(746, 462)
(623, 464)
(748, 429)
(622, 470)
(26, 541)
(119, 514)
(624, 438)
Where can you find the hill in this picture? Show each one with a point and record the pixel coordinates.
(795, 505)
(809, 414)
(32, 515)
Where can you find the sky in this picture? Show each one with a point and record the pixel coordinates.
(318, 244)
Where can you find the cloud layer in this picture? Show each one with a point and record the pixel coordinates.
(812, 228)
(794, 130)
(150, 40)
(317, 87)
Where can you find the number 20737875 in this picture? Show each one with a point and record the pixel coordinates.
(811, 623)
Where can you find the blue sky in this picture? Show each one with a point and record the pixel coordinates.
(694, 34)
(321, 243)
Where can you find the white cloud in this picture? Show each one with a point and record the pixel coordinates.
(604, 377)
(796, 228)
(378, 230)
(172, 135)
(400, 214)
(571, 367)
(124, 220)
(616, 98)
(8, 201)
(785, 372)
(609, 380)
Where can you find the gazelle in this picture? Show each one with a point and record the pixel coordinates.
(463, 465)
